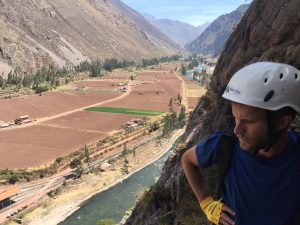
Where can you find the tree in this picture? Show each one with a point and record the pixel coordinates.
(167, 126)
(183, 69)
(193, 63)
(74, 163)
(79, 171)
(179, 98)
(171, 105)
(87, 154)
(182, 117)
(13, 178)
(95, 68)
(28, 81)
(124, 152)
(125, 167)
(2, 81)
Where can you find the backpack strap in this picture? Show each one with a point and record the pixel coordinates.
(296, 216)
(224, 157)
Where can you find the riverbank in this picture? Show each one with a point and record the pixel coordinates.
(54, 210)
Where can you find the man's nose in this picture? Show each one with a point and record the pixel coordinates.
(238, 128)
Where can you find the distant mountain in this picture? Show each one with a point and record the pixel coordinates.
(212, 40)
(181, 33)
(203, 26)
(35, 33)
(153, 33)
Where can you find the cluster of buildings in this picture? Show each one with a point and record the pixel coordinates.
(17, 121)
(123, 87)
(132, 123)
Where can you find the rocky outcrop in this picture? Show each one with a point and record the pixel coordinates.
(269, 31)
(212, 40)
(38, 32)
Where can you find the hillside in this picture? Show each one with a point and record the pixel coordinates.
(212, 40)
(181, 33)
(153, 33)
(35, 33)
(269, 30)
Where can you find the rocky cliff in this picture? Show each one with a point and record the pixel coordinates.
(270, 30)
(35, 33)
(212, 40)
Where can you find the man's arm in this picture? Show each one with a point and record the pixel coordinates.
(193, 174)
(215, 211)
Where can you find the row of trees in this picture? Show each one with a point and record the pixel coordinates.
(52, 76)
(173, 121)
(202, 78)
(156, 61)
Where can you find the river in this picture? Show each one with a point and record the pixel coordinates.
(114, 202)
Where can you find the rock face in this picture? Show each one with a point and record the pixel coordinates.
(181, 33)
(269, 31)
(34, 33)
(212, 40)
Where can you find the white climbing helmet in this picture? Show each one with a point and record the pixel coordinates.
(265, 85)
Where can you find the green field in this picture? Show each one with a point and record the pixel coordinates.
(125, 111)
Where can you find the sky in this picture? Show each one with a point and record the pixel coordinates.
(194, 12)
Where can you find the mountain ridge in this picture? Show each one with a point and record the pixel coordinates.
(37, 33)
(212, 40)
(180, 32)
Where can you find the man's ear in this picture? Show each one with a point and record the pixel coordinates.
(284, 122)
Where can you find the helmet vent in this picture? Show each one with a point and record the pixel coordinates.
(296, 76)
(281, 76)
(269, 96)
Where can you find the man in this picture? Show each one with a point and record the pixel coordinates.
(262, 183)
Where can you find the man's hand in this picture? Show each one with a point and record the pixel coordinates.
(216, 211)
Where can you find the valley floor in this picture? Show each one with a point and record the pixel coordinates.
(54, 210)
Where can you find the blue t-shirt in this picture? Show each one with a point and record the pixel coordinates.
(261, 191)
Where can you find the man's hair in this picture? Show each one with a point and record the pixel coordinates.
(285, 111)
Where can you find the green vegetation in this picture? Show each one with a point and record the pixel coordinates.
(156, 61)
(51, 76)
(202, 78)
(173, 122)
(194, 63)
(106, 222)
(183, 69)
(125, 167)
(125, 111)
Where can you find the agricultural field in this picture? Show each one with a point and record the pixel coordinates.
(50, 103)
(152, 90)
(193, 92)
(39, 144)
(141, 112)
(96, 122)
(85, 111)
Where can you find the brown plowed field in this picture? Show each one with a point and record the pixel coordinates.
(36, 145)
(92, 121)
(94, 85)
(119, 75)
(49, 104)
(64, 127)
(151, 95)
